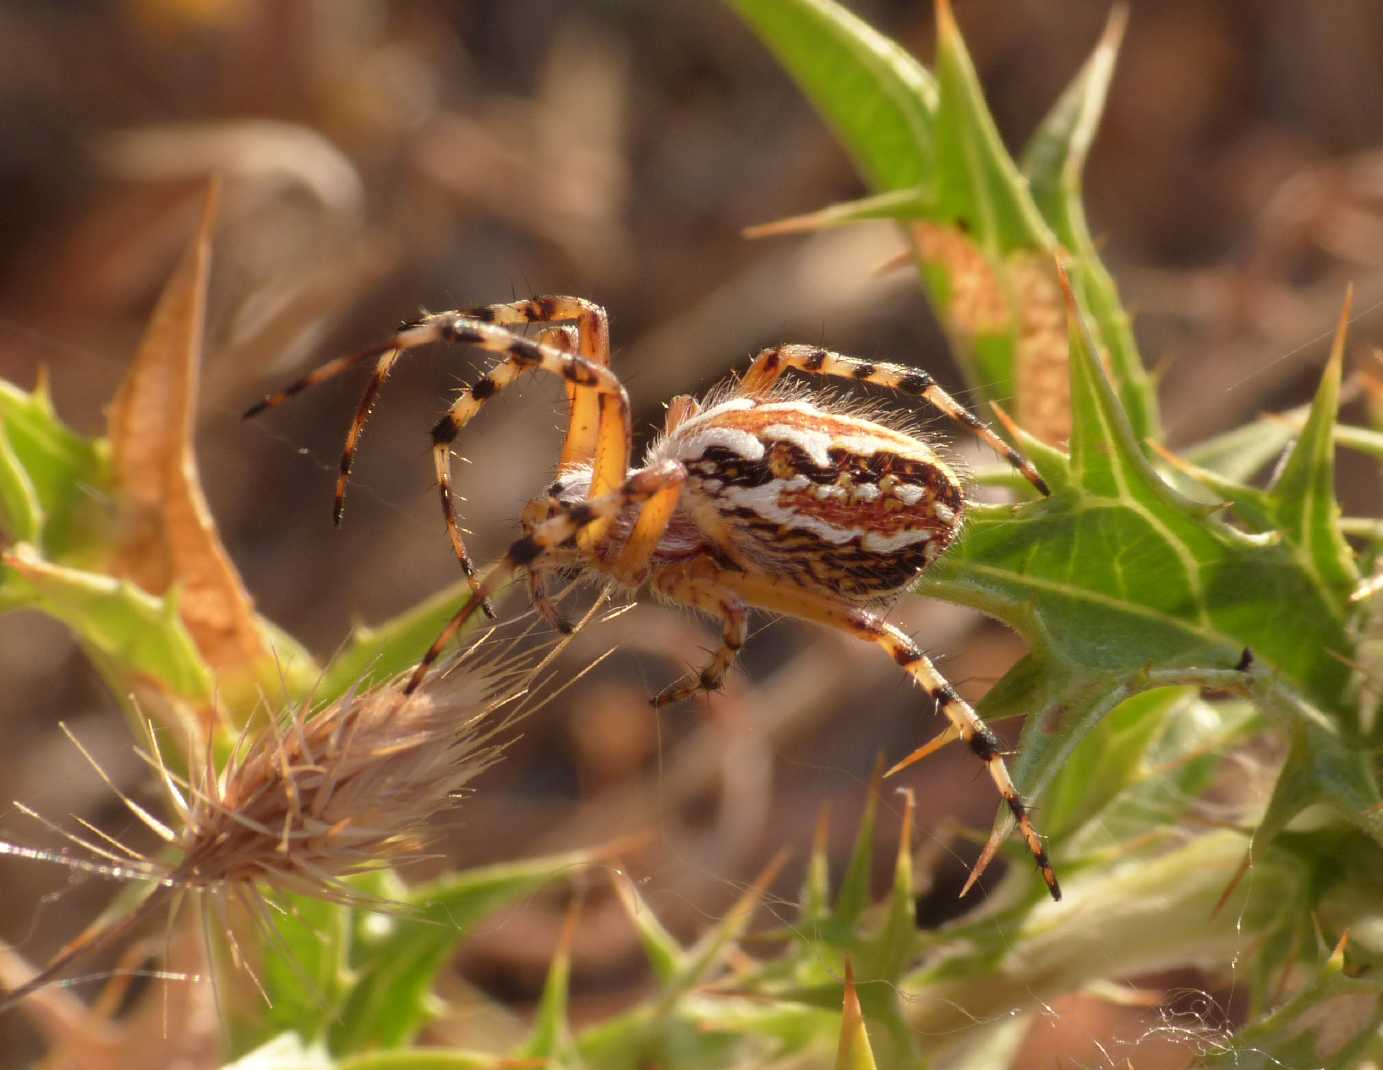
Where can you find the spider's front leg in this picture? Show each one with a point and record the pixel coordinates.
(552, 536)
(599, 428)
(585, 378)
(534, 514)
(588, 339)
(543, 604)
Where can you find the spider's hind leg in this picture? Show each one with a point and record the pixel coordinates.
(967, 726)
(965, 723)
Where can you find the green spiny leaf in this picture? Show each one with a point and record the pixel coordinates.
(398, 962)
(128, 632)
(856, 888)
(816, 888)
(1106, 458)
(981, 240)
(1118, 573)
(1053, 163)
(889, 952)
(53, 468)
(1303, 495)
(1321, 767)
(550, 1040)
(985, 257)
(981, 186)
(1055, 156)
(665, 955)
(21, 513)
(877, 98)
(1107, 761)
(1190, 744)
(895, 204)
(303, 968)
(1238, 453)
(854, 1052)
(711, 948)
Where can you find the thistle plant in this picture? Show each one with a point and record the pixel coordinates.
(1202, 727)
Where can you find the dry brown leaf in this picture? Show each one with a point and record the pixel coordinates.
(1019, 295)
(1042, 360)
(979, 304)
(166, 536)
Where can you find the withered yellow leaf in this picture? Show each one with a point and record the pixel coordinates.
(165, 534)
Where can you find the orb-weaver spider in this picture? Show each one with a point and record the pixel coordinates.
(752, 497)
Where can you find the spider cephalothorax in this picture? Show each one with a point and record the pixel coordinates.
(753, 498)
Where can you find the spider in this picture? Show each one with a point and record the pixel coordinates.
(751, 497)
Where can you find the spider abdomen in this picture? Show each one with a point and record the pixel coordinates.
(831, 502)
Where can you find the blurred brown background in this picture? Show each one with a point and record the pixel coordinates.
(380, 158)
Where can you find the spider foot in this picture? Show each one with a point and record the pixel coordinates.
(544, 606)
(487, 605)
(552, 617)
(687, 687)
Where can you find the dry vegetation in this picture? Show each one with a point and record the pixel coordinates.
(376, 158)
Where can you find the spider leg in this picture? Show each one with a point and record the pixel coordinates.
(551, 534)
(534, 513)
(587, 378)
(592, 342)
(566, 339)
(679, 410)
(631, 566)
(543, 605)
(685, 587)
(770, 364)
(965, 723)
(588, 408)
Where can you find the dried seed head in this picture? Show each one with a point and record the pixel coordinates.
(349, 788)
(306, 801)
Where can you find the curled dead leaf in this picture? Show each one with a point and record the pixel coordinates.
(165, 534)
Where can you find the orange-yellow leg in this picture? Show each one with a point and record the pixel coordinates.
(965, 723)
(679, 410)
(686, 588)
(631, 565)
(592, 341)
(522, 355)
(588, 441)
(590, 409)
(546, 538)
(770, 364)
